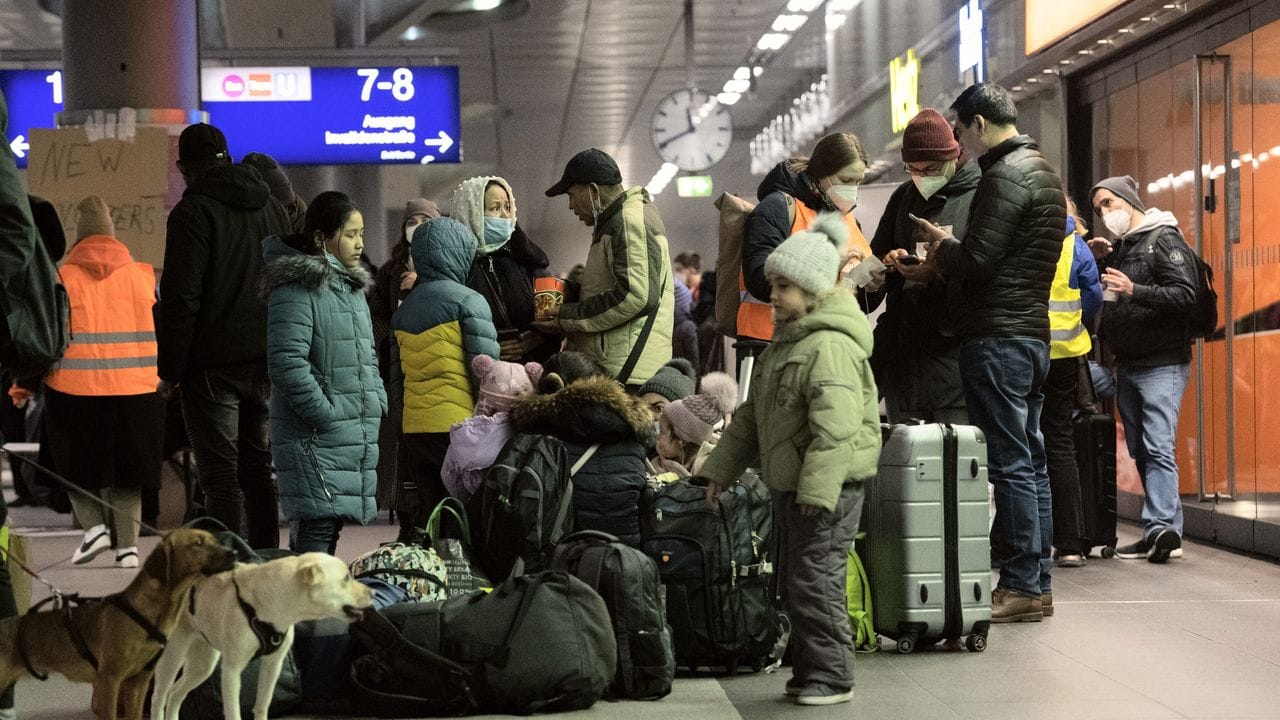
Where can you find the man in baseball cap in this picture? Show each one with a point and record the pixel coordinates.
(624, 319)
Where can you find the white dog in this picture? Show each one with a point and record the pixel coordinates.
(249, 612)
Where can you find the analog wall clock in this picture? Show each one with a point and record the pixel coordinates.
(691, 130)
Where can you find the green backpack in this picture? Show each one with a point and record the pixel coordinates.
(858, 598)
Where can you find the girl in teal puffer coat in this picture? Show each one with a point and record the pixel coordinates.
(327, 398)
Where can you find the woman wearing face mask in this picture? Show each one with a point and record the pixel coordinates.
(791, 195)
(916, 359)
(393, 282)
(326, 398)
(505, 266)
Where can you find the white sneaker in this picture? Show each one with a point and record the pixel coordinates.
(1176, 552)
(96, 539)
(127, 557)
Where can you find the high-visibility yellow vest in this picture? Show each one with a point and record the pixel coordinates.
(1068, 337)
(755, 316)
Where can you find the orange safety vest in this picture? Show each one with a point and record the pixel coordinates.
(755, 317)
(113, 334)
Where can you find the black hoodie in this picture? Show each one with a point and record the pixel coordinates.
(770, 223)
(505, 279)
(209, 314)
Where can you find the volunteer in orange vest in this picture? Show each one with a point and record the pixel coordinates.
(103, 416)
(791, 195)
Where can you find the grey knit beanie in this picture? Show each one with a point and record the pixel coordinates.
(673, 381)
(811, 258)
(1125, 188)
(693, 418)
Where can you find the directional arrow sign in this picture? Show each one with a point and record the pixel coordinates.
(19, 146)
(443, 143)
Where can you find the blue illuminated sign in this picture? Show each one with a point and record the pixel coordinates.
(298, 115)
(33, 97)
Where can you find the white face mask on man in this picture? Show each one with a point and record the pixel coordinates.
(1117, 221)
(928, 185)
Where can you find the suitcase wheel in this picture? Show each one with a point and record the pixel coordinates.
(976, 642)
(906, 644)
(1108, 552)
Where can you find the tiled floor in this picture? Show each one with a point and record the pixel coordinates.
(1197, 638)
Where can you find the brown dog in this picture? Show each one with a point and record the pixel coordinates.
(114, 631)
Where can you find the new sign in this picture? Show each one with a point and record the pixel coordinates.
(298, 115)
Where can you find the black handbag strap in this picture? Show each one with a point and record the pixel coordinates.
(624, 375)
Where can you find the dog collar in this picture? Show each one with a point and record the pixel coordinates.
(269, 637)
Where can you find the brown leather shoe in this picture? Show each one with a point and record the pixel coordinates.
(1012, 606)
(1046, 604)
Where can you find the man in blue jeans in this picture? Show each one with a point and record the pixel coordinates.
(211, 330)
(1004, 266)
(1149, 281)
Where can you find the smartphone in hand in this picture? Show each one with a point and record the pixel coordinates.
(907, 260)
(913, 217)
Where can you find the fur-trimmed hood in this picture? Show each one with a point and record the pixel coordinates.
(283, 265)
(592, 410)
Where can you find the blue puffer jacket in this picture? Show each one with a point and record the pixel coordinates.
(327, 399)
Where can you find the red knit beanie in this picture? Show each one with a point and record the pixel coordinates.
(929, 138)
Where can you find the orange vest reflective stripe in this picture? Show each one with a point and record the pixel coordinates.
(755, 317)
(113, 334)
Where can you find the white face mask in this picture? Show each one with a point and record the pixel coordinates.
(1117, 221)
(929, 185)
(843, 197)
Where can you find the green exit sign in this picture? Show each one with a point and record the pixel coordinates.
(694, 186)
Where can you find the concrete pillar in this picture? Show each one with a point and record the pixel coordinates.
(141, 54)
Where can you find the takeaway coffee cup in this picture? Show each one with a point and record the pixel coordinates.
(548, 295)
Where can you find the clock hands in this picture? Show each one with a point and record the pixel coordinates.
(692, 129)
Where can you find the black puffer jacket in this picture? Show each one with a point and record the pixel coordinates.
(1150, 328)
(209, 312)
(505, 279)
(606, 490)
(1006, 260)
(770, 223)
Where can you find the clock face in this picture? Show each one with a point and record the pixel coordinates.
(691, 130)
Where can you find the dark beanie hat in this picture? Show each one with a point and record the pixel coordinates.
(202, 141)
(270, 170)
(673, 381)
(929, 138)
(1124, 187)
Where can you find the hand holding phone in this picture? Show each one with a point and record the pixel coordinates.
(907, 260)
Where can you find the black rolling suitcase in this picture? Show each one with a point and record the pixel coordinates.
(1095, 436)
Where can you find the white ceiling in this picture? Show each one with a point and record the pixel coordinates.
(567, 75)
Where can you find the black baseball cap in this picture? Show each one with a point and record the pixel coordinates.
(588, 166)
(201, 142)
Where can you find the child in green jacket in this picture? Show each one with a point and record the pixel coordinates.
(812, 426)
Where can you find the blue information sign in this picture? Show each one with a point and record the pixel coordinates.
(34, 97)
(298, 115)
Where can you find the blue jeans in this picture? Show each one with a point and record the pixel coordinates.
(1149, 399)
(1002, 388)
(318, 535)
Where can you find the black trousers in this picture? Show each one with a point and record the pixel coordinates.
(421, 459)
(1060, 453)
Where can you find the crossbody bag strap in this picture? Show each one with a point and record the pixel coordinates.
(624, 375)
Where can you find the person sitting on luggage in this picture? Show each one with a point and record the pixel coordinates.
(441, 326)
(675, 380)
(475, 442)
(690, 426)
(578, 403)
(814, 423)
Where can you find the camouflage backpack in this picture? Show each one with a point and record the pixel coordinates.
(420, 571)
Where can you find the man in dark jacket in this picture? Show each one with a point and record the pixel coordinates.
(1150, 280)
(917, 354)
(211, 326)
(1004, 266)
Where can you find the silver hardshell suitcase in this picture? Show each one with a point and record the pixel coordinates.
(928, 551)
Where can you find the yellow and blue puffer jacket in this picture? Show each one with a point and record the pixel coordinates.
(441, 325)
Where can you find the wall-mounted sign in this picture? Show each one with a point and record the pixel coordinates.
(1048, 21)
(338, 115)
(973, 44)
(693, 186)
(299, 115)
(904, 89)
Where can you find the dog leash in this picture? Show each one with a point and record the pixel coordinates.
(72, 487)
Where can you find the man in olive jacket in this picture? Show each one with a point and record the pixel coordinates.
(1004, 266)
(626, 316)
(211, 329)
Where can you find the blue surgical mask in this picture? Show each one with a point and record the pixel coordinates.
(497, 231)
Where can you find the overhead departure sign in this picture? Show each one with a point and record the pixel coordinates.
(298, 115)
(338, 116)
